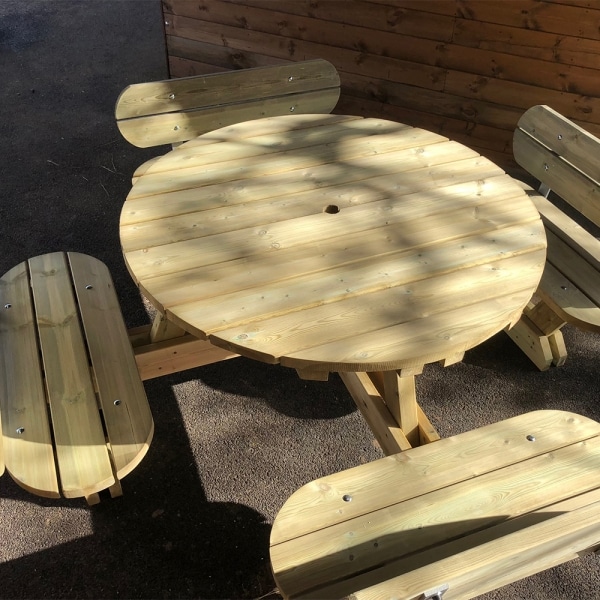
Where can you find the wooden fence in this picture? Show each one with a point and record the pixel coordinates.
(464, 68)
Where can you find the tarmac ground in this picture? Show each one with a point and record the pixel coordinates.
(232, 440)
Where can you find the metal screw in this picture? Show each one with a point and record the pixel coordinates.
(171, 96)
(546, 167)
(292, 108)
(564, 287)
(176, 128)
(117, 402)
(89, 287)
(347, 498)
(290, 78)
(560, 136)
(8, 306)
(21, 430)
(531, 438)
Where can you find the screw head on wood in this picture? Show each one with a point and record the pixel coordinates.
(347, 498)
(117, 402)
(21, 430)
(531, 438)
(7, 305)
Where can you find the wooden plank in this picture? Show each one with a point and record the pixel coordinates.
(314, 506)
(426, 521)
(490, 559)
(430, 77)
(175, 355)
(571, 286)
(392, 18)
(125, 409)
(454, 331)
(26, 438)
(198, 58)
(226, 89)
(251, 139)
(178, 127)
(504, 39)
(385, 428)
(568, 230)
(522, 96)
(356, 275)
(81, 452)
(417, 41)
(395, 143)
(571, 142)
(532, 342)
(550, 17)
(401, 398)
(568, 182)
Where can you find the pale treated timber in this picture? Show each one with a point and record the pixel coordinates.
(377, 415)
(163, 329)
(532, 342)
(461, 512)
(427, 432)
(173, 355)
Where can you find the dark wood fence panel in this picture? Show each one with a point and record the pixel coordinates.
(464, 68)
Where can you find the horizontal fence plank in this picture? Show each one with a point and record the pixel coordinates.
(479, 65)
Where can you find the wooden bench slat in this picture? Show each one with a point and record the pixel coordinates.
(427, 468)
(568, 230)
(169, 128)
(28, 456)
(117, 378)
(558, 174)
(176, 110)
(486, 560)
(225, 88)
(83, 461)
(417, 510)
(564, 158)
(573, 143)
(572, 305)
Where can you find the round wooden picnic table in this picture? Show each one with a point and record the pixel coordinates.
(333, 243)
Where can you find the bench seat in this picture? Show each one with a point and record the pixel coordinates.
(458, 518)
(74, 413)
(563, 157)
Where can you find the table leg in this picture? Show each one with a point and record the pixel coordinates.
(163, 329)
(387, 401)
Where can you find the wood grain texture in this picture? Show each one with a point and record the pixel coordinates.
(466, 62)
(171, 111)
(327, 243)
(475, 511)
(74, 412)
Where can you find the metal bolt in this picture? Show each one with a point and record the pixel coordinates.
(21, 430)
(347, 498)
(117, 402)
(531, 438)
(8, 305)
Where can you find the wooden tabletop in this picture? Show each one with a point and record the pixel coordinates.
(333, 242)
